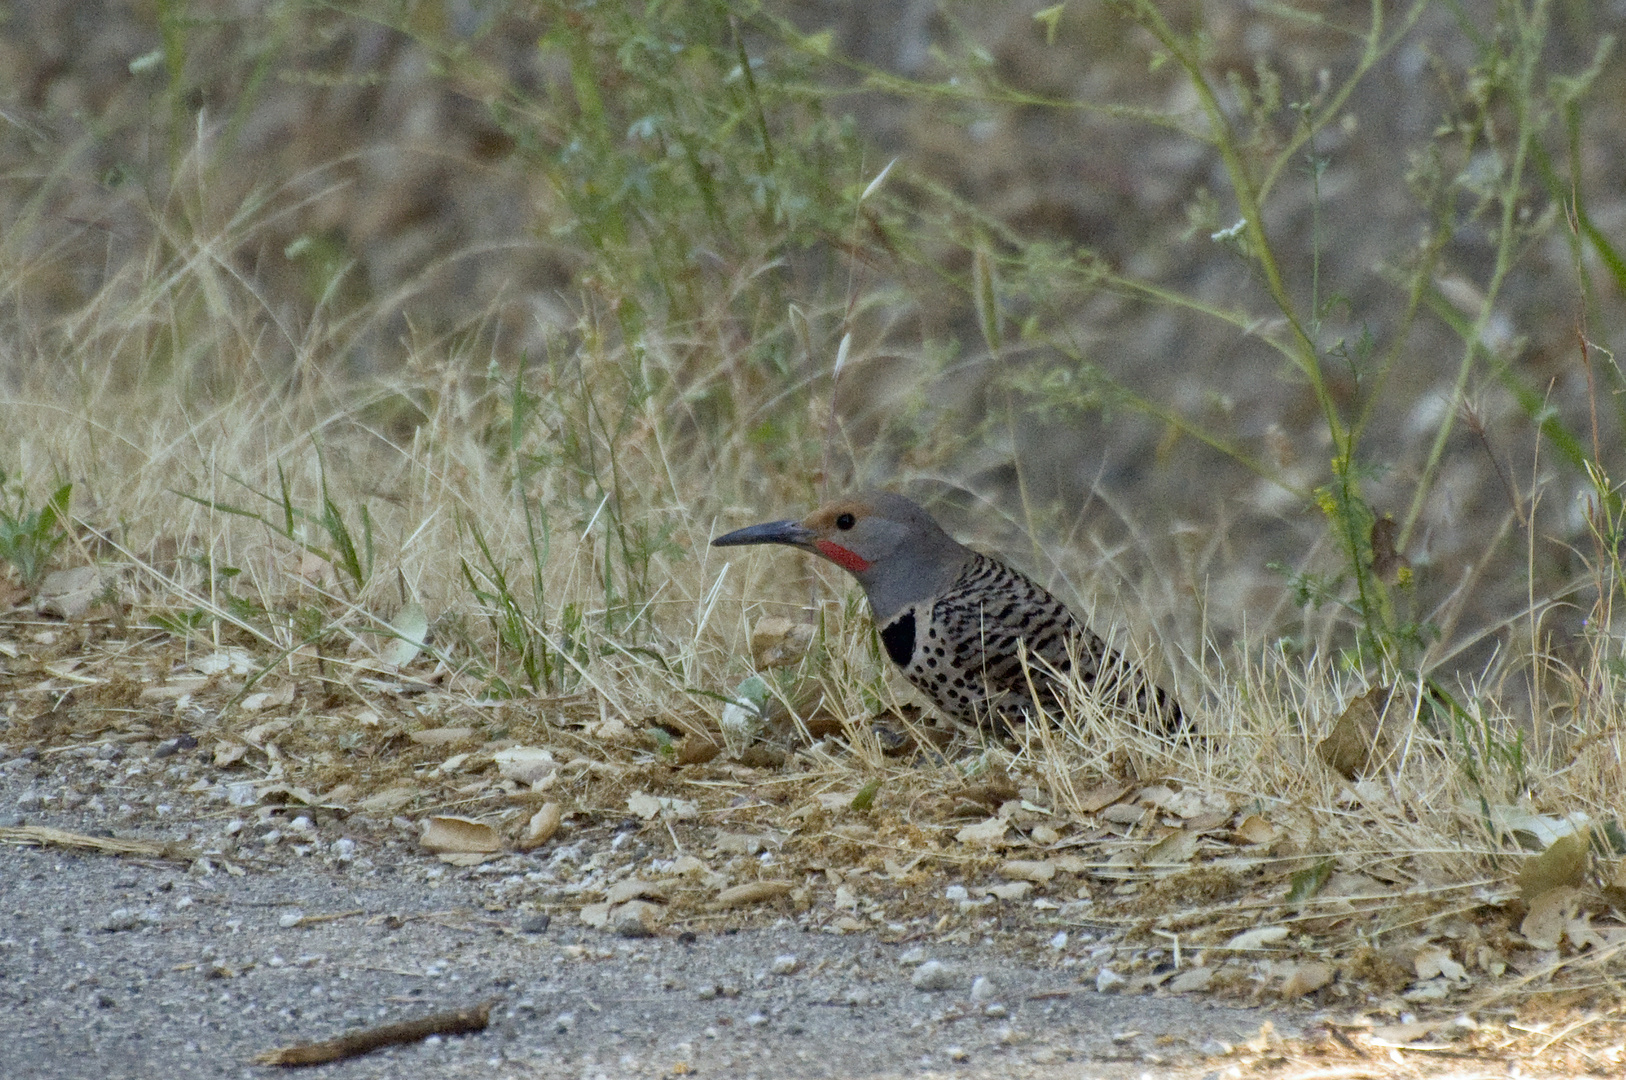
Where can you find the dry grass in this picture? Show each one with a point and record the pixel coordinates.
(575, 527)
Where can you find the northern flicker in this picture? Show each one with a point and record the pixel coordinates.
(951, 618)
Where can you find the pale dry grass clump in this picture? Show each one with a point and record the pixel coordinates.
(550, 518)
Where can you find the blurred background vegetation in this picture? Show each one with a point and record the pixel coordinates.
(1292, 321)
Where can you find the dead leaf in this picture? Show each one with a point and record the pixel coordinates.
(1037, 871)
(613, 729)
(259, 733)
(389, 800)
(647, 806)
(1562, 864)
(411, 627)
(68, 594)
(270, 699)
(543, 824)
(1101, 796)
(1126, 814)
(1549, 915)
(1306, 978)
(1192, 980)
(228, 754)
(633, 889)
(635, 919)
(643, 804)
(466, 858)
(778, 642)
(985, 833)
(442, 736)
(752, 892)
(1257, 938)
(287, 793)
(737, 844)
(1173, 850)
(697, 750)
(457, 835)
(992, 793)
(1401, 1034)
(224, 662)
(1433, 961)
(525, 764)
(1256, 830)
(1357, 741)
(1156, 795)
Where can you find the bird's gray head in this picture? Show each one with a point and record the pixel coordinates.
(893, 547)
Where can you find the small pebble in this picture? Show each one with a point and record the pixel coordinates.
(915, 955)
(785, 964)
(996, 1011)
(564, 1022)
(170, 747)
(535, 924)
(1059, 942)
(1108, 980)
(756, 1019)
(932, 976)
(982, 989)
(290, 919)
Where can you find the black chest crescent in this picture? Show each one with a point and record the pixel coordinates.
(899, 638)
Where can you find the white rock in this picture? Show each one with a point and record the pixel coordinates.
(1108, 981)
(932, 976)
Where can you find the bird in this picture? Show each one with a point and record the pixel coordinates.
(952, 619)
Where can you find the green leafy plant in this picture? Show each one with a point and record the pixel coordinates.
(346, 552)
(29, 537)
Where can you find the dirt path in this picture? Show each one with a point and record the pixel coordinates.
(116, 966)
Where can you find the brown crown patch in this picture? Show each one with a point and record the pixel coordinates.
(823, 520)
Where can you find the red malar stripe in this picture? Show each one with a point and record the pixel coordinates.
(843, 558)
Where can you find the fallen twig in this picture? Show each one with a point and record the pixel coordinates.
(45, 836)
(458, 1022)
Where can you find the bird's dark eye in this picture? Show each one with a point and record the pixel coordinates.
(845, 521)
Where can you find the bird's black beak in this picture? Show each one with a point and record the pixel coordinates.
(793, 533)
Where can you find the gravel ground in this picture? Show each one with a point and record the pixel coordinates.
(115, 967)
